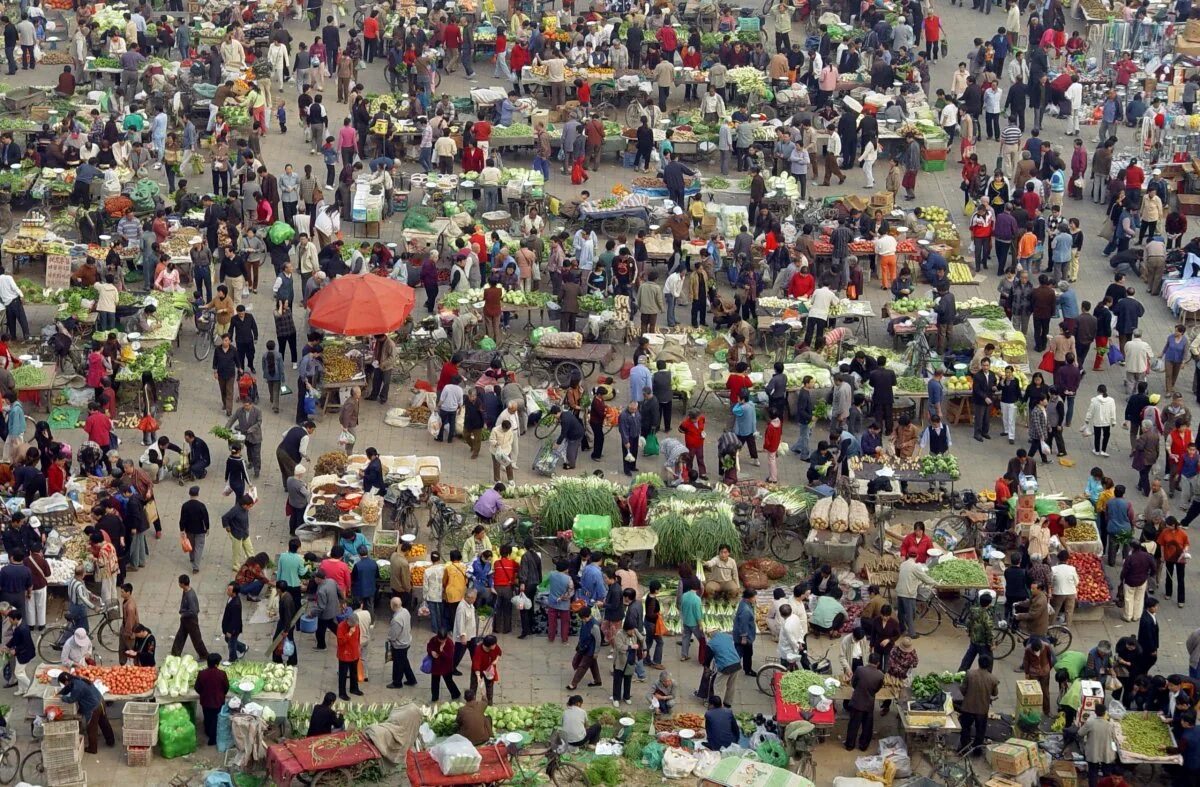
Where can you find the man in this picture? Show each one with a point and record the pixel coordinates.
(745, 629)
(1064, 586)
(212, 684)
(400, 640)
(723, 659)
(248, 421)
(1098, 740)
(189, 620)
(194, 525)
(979, 688)
(90, 704)
(866, 683)
(293, 448)
(400, 579)
(236, 522)
(983, 391)
(720, 725)
(980, 628)
(1135, 574)
(472, 720)
(225, 371)
(1147, 637)
(910, 578)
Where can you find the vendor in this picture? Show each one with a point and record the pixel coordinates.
(475, 544)
(350, 541)
(575, 730)
(720, 726)
(490, 503)
(722, 575)
(325, 719)
(676, 459)
(372, 474)
(472, 720)
(84, 694)
(828, 614)
(77, 650)
(916, 543)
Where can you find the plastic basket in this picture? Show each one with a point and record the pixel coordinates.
(385, 543)
(59, 735)
(139, 756)
(69, 773)
(59, 759)
(140, 716)
(139, 737)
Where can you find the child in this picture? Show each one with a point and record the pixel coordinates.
(330, 155)
(892, 183)
(281, 116)
(583, 92)
(696, 211)
(771, 441)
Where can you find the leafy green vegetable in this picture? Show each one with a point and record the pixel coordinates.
(603, 770)
(795, 685)
(959, 573)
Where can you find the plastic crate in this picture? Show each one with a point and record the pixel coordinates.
(139, 737)
(933, 166)
(385, 543)
(140, 716)
(59, 735)
(70, 773)
(138, 756)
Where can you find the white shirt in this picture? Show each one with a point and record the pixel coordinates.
(433, 582)
(949, 116)
(673, 285)
(9, 291)
(912, 575)
(885, 245)
(1074, 94)
(822, 300)
(1064, 580)
(465, 623)
(791, 637)
(1102, 411)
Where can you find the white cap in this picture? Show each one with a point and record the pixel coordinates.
(1156, 171)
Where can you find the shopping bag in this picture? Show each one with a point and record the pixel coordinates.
(1115, 356)
(1047, 364)
(185, 543)
(435, 424)
(651, 448)
(1158, 365)
(427, 664)
(147, 424)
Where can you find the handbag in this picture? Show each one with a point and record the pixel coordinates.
(147, 424)
(1112, 683)
(427, 664)
(1047, 364)
(660, 626)
(1115, 356)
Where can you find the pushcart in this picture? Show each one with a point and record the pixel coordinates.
(561, 364)
(339, 758)
(746, 772)
(786, 712)
(423, 770)
(615, 221)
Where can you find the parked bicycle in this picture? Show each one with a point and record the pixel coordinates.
(555, 769)
(206, 330)
(765, 677)
(104, 625)
(948, 765)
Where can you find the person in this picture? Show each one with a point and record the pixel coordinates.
(20, 648)
(909, 580)
(1148, 636)
(212, 685)
(1173, 545)
(1098, 740)
(90, 703)
(349, 651)
(472, 720)
(691, 612)
(189, 620)
(325, 719)
(575, 730)
(1064, 581)
(745, 629)
(1136, 572)
(917, 544)
(980, 687)
(866, 683)
(723, 659)
(720, 725)
(440, 650)
(852, 652)
(721, 574)
(231, 622)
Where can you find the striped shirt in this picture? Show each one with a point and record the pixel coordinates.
(1011, 135)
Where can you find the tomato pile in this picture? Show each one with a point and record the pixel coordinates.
(120, 680)
(1093, 586)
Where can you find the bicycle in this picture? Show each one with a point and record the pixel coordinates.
(547, 425)
(444, 522)
(10, 759)
(1004, 638)
(106, 631)
(768, 533)
(206, 330)
(765, 677)
(560, 772)
(404, 509)
(928, 613)
(950, 765)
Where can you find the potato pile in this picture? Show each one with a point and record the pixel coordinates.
(819, 517)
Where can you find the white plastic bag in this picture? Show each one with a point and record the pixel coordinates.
(677, 763)
(522, 602)
(706, 760)
(456, 756)
(435, 424)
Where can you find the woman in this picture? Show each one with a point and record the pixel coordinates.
(168, 280)
(236, 477)
(77, 650)
(1145, 454)
(662, 695)
(439, 658)
(1100, 418)
(1174, 353)
(348, 418)
(148, 409)
(899, 665)
(628, 645)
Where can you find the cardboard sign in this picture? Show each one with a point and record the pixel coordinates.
(58, 271)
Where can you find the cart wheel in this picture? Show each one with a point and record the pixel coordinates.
(765, 679)
(614, 226)
(567, 775)
(565, 371)
(633, 114)
(786, 545)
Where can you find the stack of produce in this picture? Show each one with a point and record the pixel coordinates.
(691, 528)
(939, 464)
(1093, 586)
(122, 681)
(795, 685)
(565, 497)
(1146, 734)
(959, 573)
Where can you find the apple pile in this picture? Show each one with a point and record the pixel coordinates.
(1093, 586)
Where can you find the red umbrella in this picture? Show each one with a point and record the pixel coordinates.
(360, 305)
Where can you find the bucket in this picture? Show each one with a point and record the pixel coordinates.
(400, 200)
(307, 624)
(960, 370)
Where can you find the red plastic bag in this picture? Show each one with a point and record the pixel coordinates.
(1047, 364)
(578, 174)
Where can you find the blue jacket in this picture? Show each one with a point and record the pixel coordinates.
(482, 577)
(364, 578)
(744, 624)
(723, 651)
(559, 582)
(84, 694)
(587, 638)
(592, 588)
(720, 728)
(745, 419)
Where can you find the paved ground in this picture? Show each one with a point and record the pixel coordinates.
(158, 595)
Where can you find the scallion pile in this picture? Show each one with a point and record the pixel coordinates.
(692, 529)
(566, 497)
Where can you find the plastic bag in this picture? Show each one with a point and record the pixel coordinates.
(281, 233)
(651, 448)
(706, 760)
(522, 602)
(456, 756)
(487, 343)
(1115, 355)
(677, 763)
(435, 424)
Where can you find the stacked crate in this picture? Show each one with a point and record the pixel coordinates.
(62, 754)
(139, 732)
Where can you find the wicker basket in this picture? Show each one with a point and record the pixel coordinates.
(140, 716)
(58, 760)
(139, 737)
(71, 773)
(139, 756)
(385, 543)
(497, 220)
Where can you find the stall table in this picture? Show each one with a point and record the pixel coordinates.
(336, 751)
(869, 470)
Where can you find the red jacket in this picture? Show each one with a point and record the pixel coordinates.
(442, 655)
(371, 27)
(693, 434)
(801, 285)
(482, 658)
(504, 572)
(667, 38)
(472, 159)
(452, 36)
(518, 58)
(349, 642)
(773, 436)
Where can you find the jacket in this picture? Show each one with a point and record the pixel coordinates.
(866, 682)
(231, 618)
(979, 688)
(1099, 738)
(1037, 619)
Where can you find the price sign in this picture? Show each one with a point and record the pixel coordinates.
(58, 271)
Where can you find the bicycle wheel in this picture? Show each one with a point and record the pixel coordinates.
(926, 618)
(109, 634)
(807, 767)
(546, 426)
(566, 371)
(1060, 639)
(567, 775)
(633, 115)
(786, 545)
(10, 765)
(48, 640)
(202, 345)
(408, 522)
(32, 769)
(1003, 643)
(766, 678)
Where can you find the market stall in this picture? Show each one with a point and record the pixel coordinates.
(349, 753)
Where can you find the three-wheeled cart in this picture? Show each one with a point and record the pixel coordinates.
(423, 770)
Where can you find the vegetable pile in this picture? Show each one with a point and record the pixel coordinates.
(1093, 586)
(795, 685)
(1145, 734)
(177, 675)
(959, 573)
(910, 384)
(331, 463)
(939, 464)
(563, 498)
(124, 680)
(692, 529)
(276, 678)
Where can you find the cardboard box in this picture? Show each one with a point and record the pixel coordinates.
(1065, 772)
(1008, 759)
(1027, 778)
(1000, 781)
(883, 200)
(1029, 694)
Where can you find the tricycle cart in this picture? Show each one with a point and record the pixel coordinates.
(745, 772)
(560, 364)
(339, 758)
(423, 770)
(616, 220)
